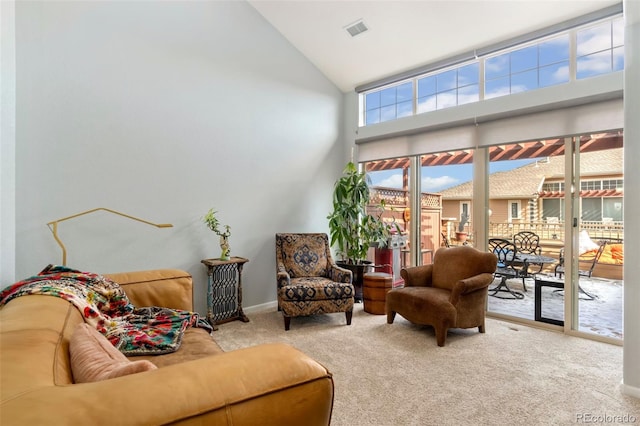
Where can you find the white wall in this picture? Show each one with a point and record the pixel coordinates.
(162, 110)
(7, 140)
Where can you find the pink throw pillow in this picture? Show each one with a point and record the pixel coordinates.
(94, 358)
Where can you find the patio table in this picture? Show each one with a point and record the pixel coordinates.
(527, 260)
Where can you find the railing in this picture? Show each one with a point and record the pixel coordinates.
(392, 197)
(398, 197)
(555, 231)
(598, 230)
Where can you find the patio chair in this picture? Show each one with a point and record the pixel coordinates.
(592, 259)
(505, 251)
(528, 242)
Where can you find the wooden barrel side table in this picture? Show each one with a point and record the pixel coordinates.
(375, 287)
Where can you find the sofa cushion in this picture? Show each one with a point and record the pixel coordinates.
(94, 358)
(315, 288)
(197, 343)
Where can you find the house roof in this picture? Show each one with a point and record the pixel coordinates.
(526, 181)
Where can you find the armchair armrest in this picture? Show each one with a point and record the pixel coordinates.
(282, 276)
(268, 384)
(417, 276)
(470, 285)
(338, 274)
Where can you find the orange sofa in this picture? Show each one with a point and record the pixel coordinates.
(270, 384)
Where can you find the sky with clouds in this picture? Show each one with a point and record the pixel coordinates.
(439, 178)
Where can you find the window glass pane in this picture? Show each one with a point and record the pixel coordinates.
(405, 109)
(405, 91)
(551, 207)
(446, 99)
(426, 104)
(497, 66)
(373, 116)
(554, 74)
(618, 32)
(590, 185)
(468, 94)
(612, 207)
(388, 96)
(595, 64)
(594, 39)
(618, 58)
(524, 59)
(612, 184)
(497, 87)
(524, 81)
(554, 50)
(388, 113)
(372, 100)
(600, 50)
(446, 80)
(469, 74)
(426, 86)
(592, 209)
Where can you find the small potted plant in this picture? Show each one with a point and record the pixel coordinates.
(213, 223)
(461, 234)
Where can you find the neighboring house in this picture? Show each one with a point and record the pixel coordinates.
(534, 192)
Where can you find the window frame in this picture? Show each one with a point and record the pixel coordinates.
(457, 65)
(510, 205)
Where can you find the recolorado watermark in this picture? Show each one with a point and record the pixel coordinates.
(605, 418)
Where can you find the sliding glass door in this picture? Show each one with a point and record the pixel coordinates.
(568, 192)
(520, 215)
(565, 192)
(598, 249)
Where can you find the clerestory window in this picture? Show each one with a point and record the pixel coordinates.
(598, 48)
(539, 65)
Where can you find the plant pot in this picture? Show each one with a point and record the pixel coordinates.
(358, 270)
(224, 248)
(461, 236)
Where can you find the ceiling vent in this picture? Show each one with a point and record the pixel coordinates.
(356, 28)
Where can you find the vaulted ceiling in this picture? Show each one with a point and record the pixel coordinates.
(404, 35)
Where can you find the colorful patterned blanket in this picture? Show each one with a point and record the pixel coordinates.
(104, 305)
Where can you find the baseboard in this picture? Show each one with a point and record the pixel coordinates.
(262, 307)
(630, 390)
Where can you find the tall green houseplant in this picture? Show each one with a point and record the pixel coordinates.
(352, 229)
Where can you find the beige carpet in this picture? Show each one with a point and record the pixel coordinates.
(397, 375)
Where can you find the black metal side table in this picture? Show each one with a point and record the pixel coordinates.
(544, 281)
(224, 290)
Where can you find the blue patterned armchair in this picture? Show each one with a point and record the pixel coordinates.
(309, 281)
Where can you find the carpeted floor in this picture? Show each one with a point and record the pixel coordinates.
(397, 375)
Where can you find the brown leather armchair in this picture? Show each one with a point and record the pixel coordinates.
(450, 293)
